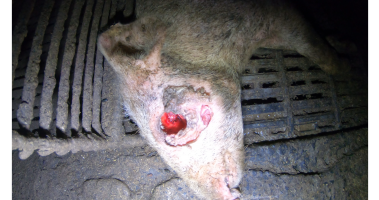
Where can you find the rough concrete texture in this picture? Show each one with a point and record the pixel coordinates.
(47, 146)
(333, 166)
(25, 111)
(89, 70)
(348, 179)
(68, 59)
(49, 82)
(79, 68)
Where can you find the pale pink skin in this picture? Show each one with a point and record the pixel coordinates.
(209, 159)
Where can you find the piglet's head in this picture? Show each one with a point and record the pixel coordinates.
(188, 121)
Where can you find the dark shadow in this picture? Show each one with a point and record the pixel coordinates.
(264, 70)
(259, 101)
(61, 134)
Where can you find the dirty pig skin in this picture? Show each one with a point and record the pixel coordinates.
(178, 69)
(225, 33)
(190, 114)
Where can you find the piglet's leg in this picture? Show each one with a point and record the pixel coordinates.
(304, 40)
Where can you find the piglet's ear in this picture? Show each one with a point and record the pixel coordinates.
(154, 57)
(105, 41)
(206, 115)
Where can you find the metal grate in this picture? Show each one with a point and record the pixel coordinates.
(63, 87)
(284, 95)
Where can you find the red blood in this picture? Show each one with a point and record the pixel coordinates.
(173, 123)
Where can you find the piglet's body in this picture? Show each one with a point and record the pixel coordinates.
(202, 103)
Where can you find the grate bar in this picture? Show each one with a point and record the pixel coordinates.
(79, 67)
(271, 63)
(314, 118)
(91, 109)
(14, 113)
(15, 104)
(111, 112)
(111, 115)
(99, 72)
(265, 130)
(88, 73)
(308, 89)
(46, 146)
(258, 77)
(19, 34)
(112, 12)
(267, 124)
(17, 94)
(49, 82)
(286, 96)
(311, 106)
(336, 108)
(302, 75)
(261, 93)
(264, 116)
(128, 10)
(19, 83)
(68, 56)
(264, 108)
(25, 110)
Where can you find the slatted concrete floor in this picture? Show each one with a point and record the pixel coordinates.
(63, 87)
(60, 78)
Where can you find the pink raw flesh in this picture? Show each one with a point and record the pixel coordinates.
(173, 123)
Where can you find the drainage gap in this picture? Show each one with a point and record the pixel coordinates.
(265, 70)
(293, 69)
(315, 82)
(259, 101)
(297, 83)
(272, 84)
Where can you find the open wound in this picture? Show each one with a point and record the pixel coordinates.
(187, 113)
(173, 123)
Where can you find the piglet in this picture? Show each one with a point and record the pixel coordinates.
(191, 114)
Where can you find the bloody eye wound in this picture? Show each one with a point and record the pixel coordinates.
(173, 123)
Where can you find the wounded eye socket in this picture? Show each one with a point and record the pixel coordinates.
(143, 28)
